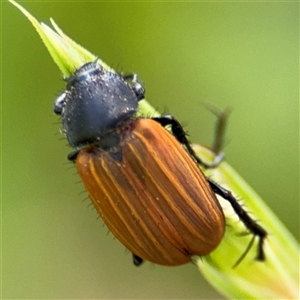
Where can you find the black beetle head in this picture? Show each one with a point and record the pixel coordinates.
(94, 103)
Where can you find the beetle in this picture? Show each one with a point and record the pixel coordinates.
(143, 180)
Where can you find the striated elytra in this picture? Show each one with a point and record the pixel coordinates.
(155, 201)
(144, 181)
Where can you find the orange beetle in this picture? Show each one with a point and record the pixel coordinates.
(144, 182)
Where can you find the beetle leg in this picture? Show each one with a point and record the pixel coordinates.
(222, 120)
(73, 155)
(137, 261)
(180, 135)
(220, 127)
(250, 224)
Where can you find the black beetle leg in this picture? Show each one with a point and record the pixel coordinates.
(137, 261)
(222, 120)
(180, 135)
(73, 155)
(250, 224)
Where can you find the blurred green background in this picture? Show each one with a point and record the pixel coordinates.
(241, 55)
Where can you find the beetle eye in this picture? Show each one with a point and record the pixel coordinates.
(138, 88)
(59, 103)
(136, 85)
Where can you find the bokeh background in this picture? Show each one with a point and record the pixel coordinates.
(238, 55)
